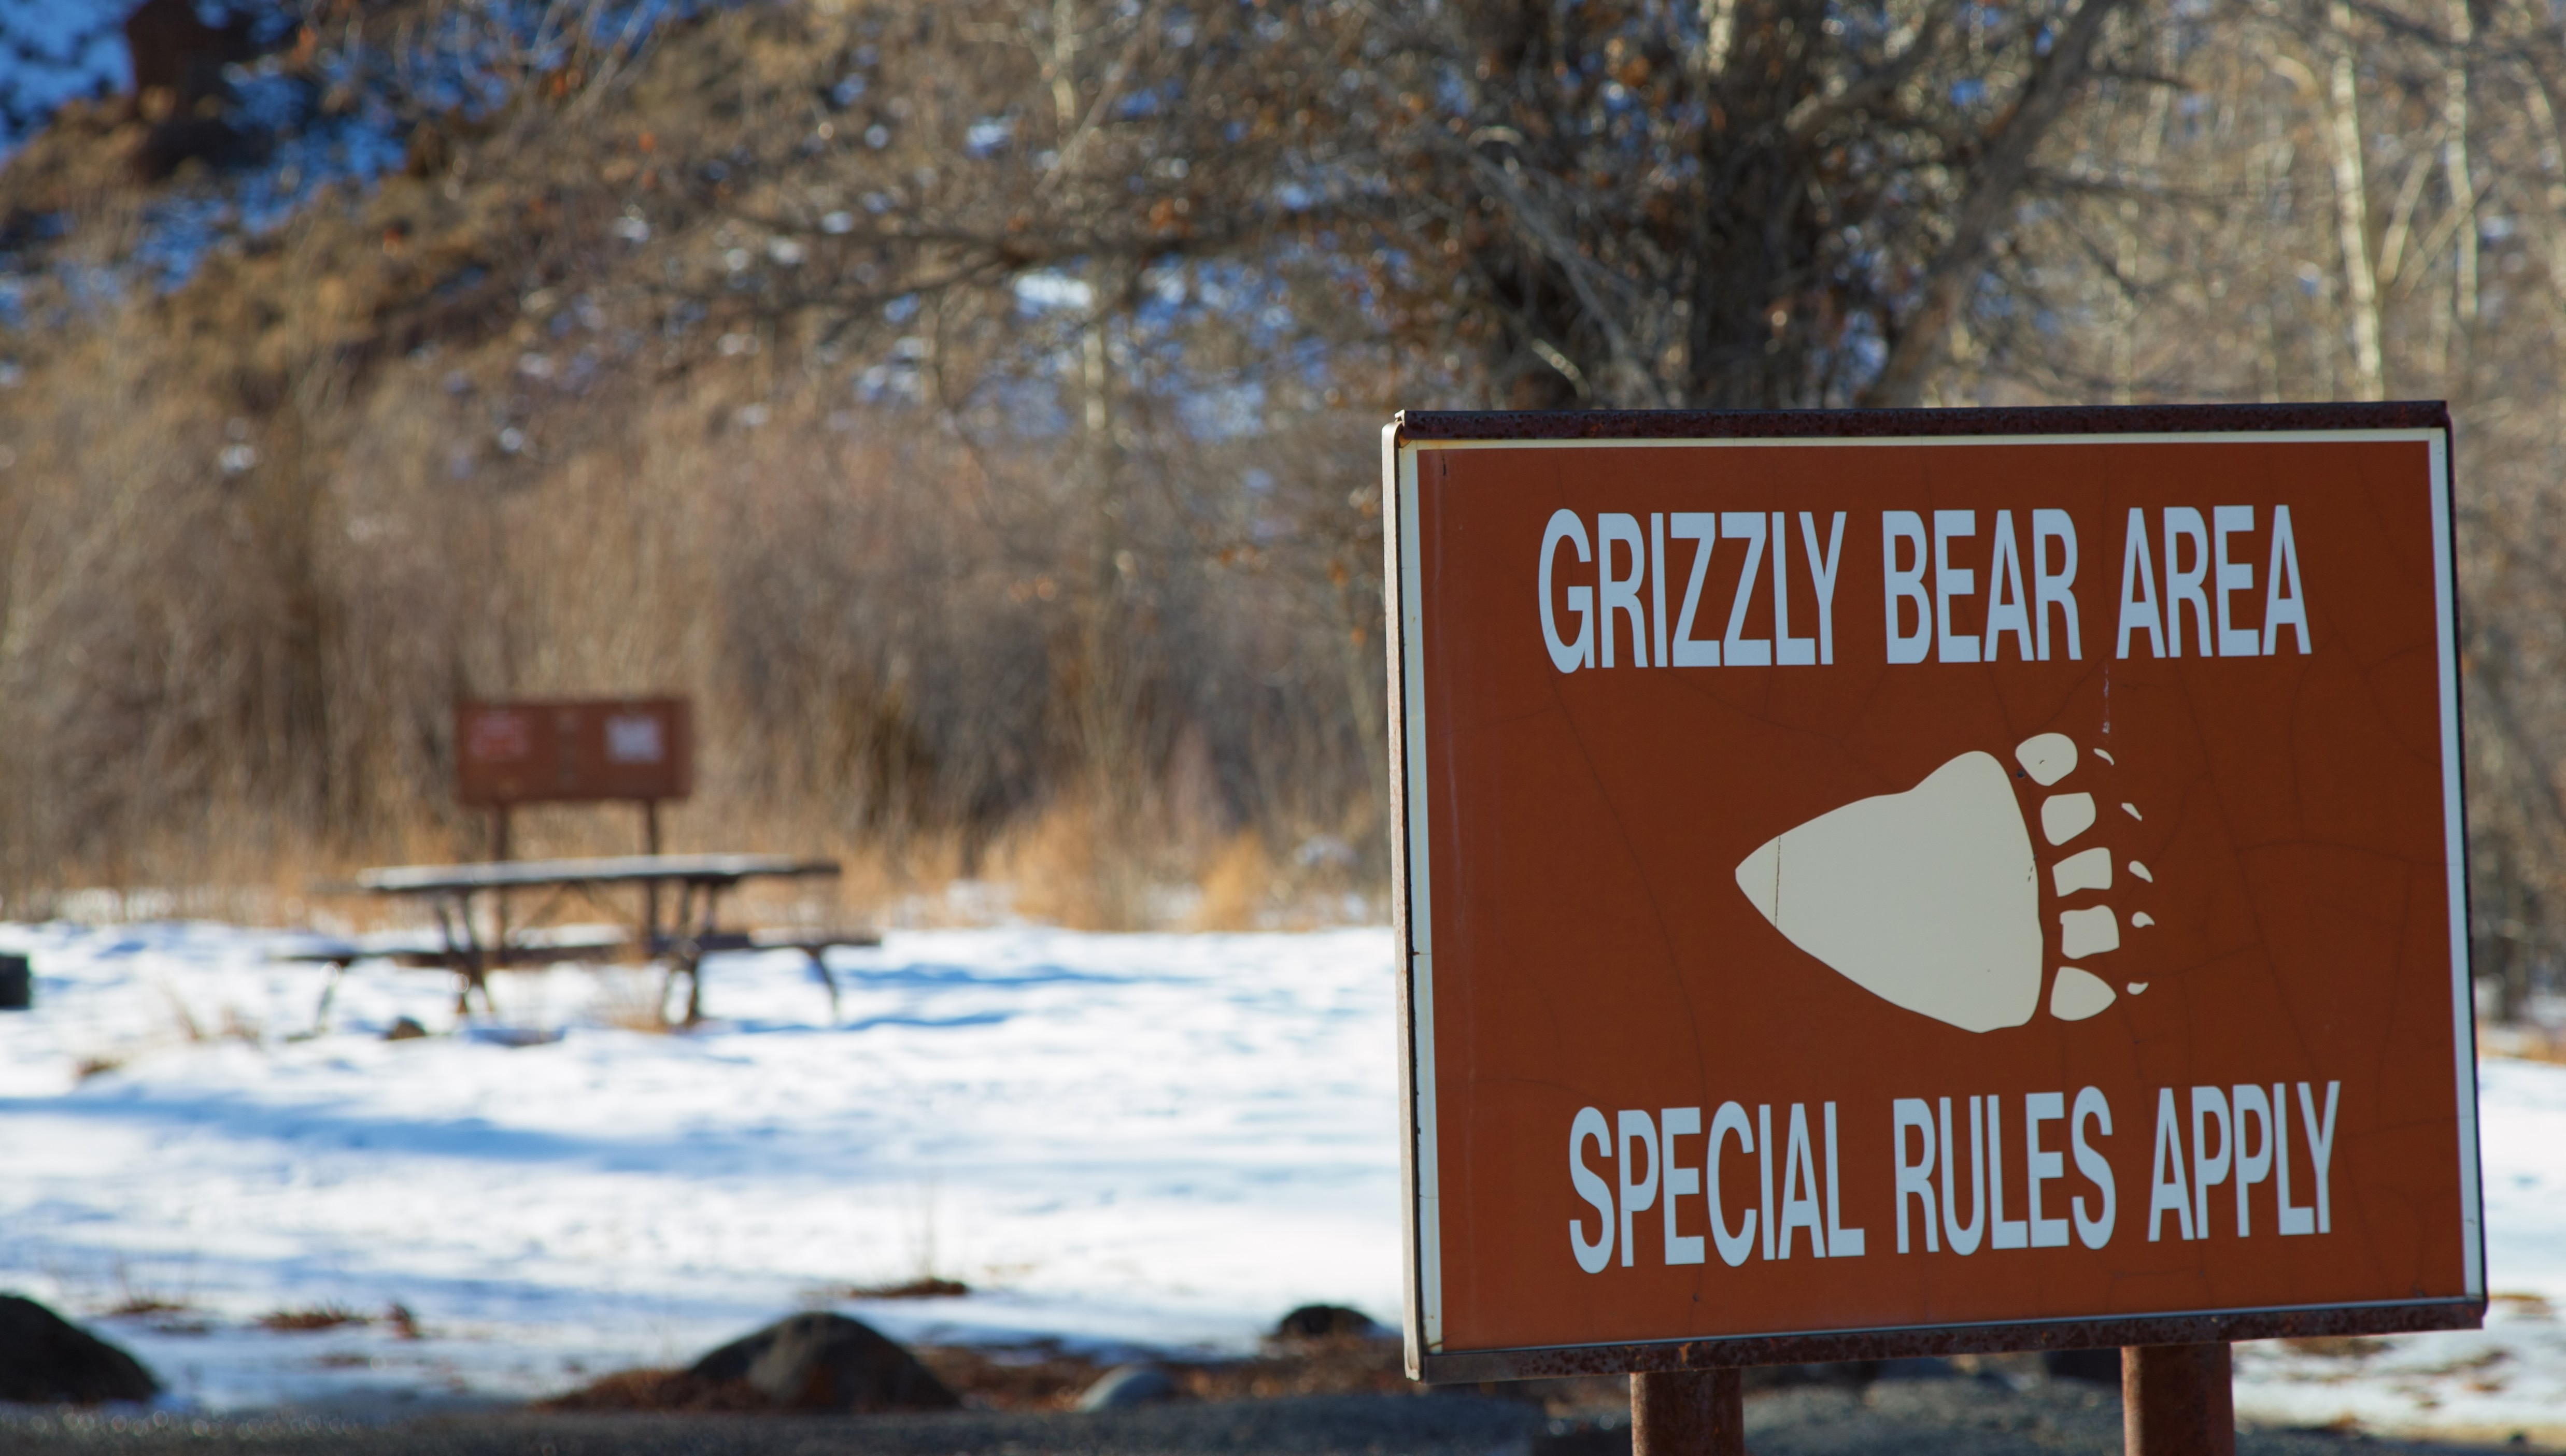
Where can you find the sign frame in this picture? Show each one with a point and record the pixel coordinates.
(1408, 432)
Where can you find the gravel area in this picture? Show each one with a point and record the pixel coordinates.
(1981, 1416)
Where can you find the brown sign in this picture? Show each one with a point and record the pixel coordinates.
(1929, 881)
(538, 751)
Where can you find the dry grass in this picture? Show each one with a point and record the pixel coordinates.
(925, 1287)
(1057, 860)
(145, 1306)
(162, 1306)
(310, 1318)
(2522, 1042)
(1237, 883)
(507, 458)
(2337, 1347)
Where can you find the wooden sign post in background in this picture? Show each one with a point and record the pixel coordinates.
(1913, 882)
(574, 752)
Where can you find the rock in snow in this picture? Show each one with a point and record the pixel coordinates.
(46, 1359)
(826, 1363)
(1125, 1385)
(1325, 1321)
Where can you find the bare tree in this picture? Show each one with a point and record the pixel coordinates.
(1753, 202)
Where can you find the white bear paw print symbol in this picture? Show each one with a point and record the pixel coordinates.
(1930, 900)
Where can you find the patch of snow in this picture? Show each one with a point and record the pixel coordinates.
(2508, 1376)
(1149, 1141)
(2487, 1383)
(1125, 1141)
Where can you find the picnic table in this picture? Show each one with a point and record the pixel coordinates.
(691, 931)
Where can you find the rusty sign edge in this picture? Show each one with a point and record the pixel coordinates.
(1520, 426)
(1554, 1361)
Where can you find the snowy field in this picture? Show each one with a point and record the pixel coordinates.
(1146, 1140)
(2487, 1383)
(1140, 1141)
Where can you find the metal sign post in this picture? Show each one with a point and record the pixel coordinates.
(1913, 882)
(2178, 1401)
(1686, 1414)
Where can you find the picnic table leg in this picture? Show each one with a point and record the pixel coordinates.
(711, 912)
(476, 961)
(686, 907)
(454, 923)
(498, 904)
(683, 960)
(329, 992)
(820, 968)
(649, 888)
(475, 978)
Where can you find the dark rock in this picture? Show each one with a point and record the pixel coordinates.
(1125, 1385)
(826, 1363)
(47, 1360)
(2101, 1366)
(1325, 1321)
(405, 1030)
(17, 984)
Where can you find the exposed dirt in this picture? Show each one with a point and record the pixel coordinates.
(1046, 1377)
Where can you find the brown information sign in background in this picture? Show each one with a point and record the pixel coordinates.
(575, 752)
(1976, 880)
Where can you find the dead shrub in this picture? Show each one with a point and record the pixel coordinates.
(259, 533)
(2337, 1347)
(1237, 883)
(925, 1287)
(310, 1318)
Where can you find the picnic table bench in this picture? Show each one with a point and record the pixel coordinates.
(693, 931)
(634, 750)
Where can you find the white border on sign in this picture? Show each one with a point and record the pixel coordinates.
(1420, 918)
(2455, 849)
(2232, 1313)
(1426, 1275)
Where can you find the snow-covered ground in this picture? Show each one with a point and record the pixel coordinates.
(1152, 1140)
(2509, 1376)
